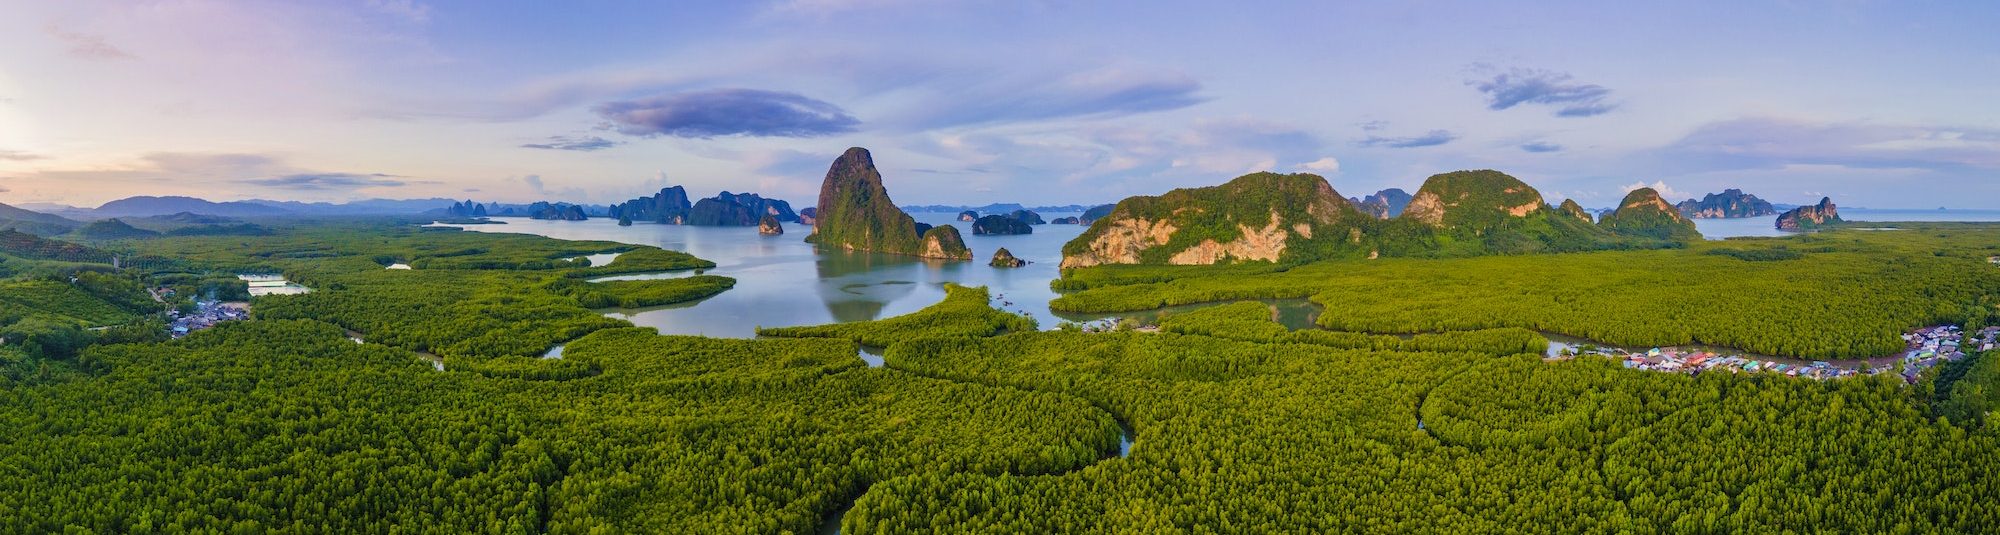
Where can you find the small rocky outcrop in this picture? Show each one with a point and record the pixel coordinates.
(944, 243)
(1570, 207)
(856, 214)
(1065, 221)
(769, 226)
(968, 216)
(1730, 204)
(806, 216)
(1027, 216)
(1004, 259)
(1810, 217)
(1000, 225)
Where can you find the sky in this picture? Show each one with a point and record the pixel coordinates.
(1878, 104)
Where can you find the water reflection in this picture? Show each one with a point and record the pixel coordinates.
(783, 281)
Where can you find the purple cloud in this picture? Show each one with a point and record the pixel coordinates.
(326, 181)
(1536, 86)
(727, 112)
(1428, 139)
(1540, 146)
(585, 144)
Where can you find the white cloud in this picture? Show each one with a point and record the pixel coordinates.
(1665, 191)
(1326, 165)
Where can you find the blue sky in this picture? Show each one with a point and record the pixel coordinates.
(1873, 103)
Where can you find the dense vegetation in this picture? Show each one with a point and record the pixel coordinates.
(965, 312)
(23, 245)
(1286, 438)
(981, 424)
(1253, 321)
(288, 426)
(1846, 294)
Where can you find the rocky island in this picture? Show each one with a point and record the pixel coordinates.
(769, 226)
(1810, 217)
(1000, 225)
(1270, 217)
(855, 213)
(557, 211)
(1002, 258)
(738, 210)
(1730, 204)
(669, 206)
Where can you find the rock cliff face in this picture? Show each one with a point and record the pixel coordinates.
(1002, 258)
(1810, 217)
(1000, 225)
(1730, 204)
(1571, 208)
(855, 213)
(669, 206)
(968, 216)
(1254, 217)
(806, 216)
(1383, 204)
(559, 211)
(1644, 214)
(769, 226)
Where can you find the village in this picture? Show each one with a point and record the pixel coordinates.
(206, 313)
(1927, 347)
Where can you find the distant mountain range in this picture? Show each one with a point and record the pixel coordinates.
(996, 208)
(145, 206)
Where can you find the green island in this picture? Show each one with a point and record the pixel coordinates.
(384, 399)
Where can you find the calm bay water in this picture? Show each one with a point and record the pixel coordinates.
(1717, 229)
(783, 281)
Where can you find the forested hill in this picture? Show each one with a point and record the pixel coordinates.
(1261, 216)
(33, 222)
(855, 213)
(1644, 214)
(1289, 219)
